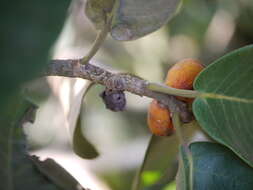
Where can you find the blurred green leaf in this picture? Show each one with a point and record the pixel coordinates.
(170, 186)
(214, 167)
(160, 158)
(225, 108)
(29, 29)
(184, 173)
(56, 173)
(134, 19)
(17, 170)
(162, 186)
(82, 147)
(150, 177)
(244, 22)
(193, 23)
(98, 11)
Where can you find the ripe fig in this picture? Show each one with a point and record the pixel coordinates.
(159, 119)
(182, 75)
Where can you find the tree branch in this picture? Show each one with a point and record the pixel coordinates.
(119, 81)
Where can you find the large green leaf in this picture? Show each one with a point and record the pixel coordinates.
(28, 30)
(213, 167)
(17, 170)
(134, 19)
(225, 106)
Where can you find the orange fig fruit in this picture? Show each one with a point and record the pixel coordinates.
(159, 119)
(182, 75)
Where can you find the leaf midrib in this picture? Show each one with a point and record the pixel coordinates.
(225, 97)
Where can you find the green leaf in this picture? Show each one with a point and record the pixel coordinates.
(214, 167)
(159, 158)
(134, 19)
(150, 177)
(56, 173)
(82, 147)
(224, 108)
(184, 174)
(160, 161)
(29, 29)
(17, 170)
(194, 24)
(170, 186)
(98, 11)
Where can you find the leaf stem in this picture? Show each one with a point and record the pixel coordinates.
(100, 38)
(177, 124)
(172, 91)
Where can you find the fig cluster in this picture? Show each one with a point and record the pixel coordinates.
(180, 76)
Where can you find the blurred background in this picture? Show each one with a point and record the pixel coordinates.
(202, 29)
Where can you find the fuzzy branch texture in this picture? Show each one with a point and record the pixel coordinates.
(116, 81)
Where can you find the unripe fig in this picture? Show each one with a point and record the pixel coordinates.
(159, 119)
(182, 75)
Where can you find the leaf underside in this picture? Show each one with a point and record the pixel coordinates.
(134, 19)
(98, 11)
